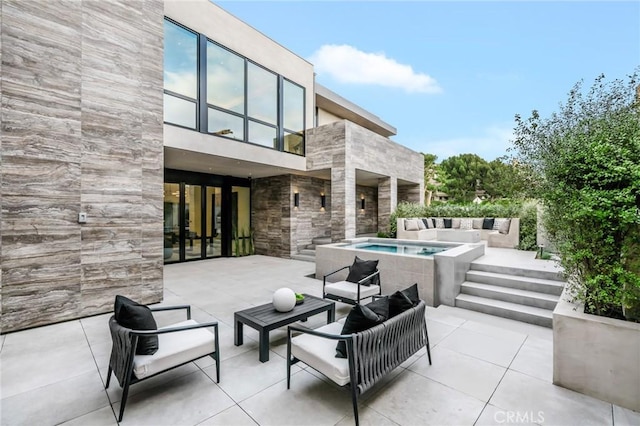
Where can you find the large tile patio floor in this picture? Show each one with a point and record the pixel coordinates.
(486, 370)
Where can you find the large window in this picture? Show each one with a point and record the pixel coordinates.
(214, 90)
(293, 117)
(180, 75)
(225, 92)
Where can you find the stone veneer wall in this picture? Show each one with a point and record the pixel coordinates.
(409, 193)
(280, 229)
(342, 147)
(367, 220)
(81, 130)
(309, 220)
(271, 206)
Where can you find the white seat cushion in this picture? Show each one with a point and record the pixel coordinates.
(175, 349)
(349, 290)
(320, 353)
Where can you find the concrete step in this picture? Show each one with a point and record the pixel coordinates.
(307, 252)
(321, 240)
(539, 285)
(530, 314)
(551, 273)
(311, 246)
(303, 257)
(512, 295)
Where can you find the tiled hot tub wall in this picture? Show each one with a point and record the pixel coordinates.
(399, 271)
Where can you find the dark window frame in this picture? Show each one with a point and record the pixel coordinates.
(202, 105)
(198, 66)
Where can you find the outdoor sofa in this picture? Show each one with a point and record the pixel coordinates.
(497, 232)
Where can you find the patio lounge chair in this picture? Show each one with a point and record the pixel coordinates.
(178, 344)
(363, 281)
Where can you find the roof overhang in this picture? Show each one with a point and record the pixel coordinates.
(337, 105)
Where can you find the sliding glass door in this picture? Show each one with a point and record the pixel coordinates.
(205, 216)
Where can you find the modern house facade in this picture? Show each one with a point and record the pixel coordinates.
(136, 134)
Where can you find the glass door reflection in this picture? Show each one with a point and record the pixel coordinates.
(213, 221)
(193, 222)
(171, 222)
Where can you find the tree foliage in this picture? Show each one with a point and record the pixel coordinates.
(509, 179)
(430, 174)
(465, 174)
(588, 155)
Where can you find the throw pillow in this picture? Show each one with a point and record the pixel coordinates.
(477, 223)
(439, 222)
(135, 316)
(412, 293)
(455, 223)
(410, 225)
(504, 226)
(487, 223)
(447, 223)
(361, 269)
(360, 318)
(466, 224)
(421, 224)
(398, 303)
(429, 222)
(380, 306)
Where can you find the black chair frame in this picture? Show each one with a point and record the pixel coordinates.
(374, 278)
(130, 378)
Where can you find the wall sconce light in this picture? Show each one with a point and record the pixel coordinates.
(296, 200)
(323, 201)
(362, 203)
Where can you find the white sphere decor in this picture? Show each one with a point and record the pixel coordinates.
(284, 299)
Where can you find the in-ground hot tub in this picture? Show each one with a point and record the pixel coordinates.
(437, 267)
(413, 248)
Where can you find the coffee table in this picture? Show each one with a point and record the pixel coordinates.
(265, 318)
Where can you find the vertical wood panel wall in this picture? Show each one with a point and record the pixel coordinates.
(81, 130)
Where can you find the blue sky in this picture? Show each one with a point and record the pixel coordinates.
(450, 76)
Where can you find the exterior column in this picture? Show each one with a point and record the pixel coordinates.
(343, 203)
(387, 201)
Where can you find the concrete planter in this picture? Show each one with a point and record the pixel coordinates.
(596, 356)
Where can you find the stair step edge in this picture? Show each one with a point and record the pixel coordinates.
(512, 291)
(530, 310)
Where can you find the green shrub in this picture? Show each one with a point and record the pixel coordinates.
(588, 155)
(528, 226)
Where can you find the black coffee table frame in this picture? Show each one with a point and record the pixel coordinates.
(265, 318)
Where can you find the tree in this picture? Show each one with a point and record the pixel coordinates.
(430, 174)
(588, 155)
(465, 174)
(506, 178)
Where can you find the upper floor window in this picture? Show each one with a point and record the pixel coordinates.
(262, 94)
(225, 79)
(180, 75)
(214, 90)
(293, 117)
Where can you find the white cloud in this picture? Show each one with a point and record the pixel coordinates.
(349, 65)
(490, 144)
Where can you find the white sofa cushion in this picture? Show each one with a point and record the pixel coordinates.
(411, 225)
(321, 353)
(349, 290)
(175, 349)
(466, 223)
